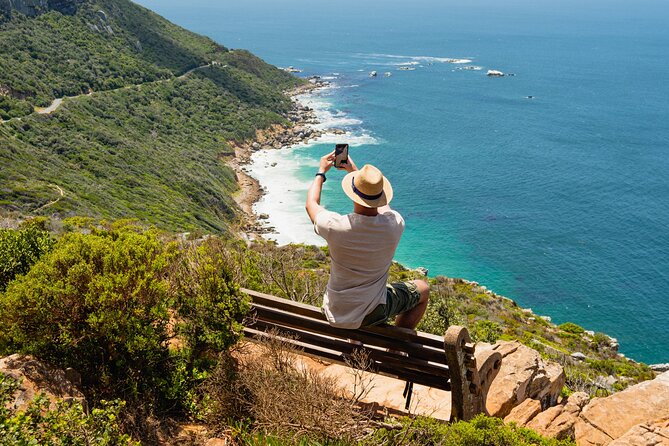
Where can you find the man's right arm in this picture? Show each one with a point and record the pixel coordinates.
(313, 205)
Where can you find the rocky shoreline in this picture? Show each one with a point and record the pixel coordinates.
(299, 129)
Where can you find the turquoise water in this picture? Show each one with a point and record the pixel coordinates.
(560, 202)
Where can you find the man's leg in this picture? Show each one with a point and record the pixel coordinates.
(411, 318)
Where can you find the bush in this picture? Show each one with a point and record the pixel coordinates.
(570, 327)
(67, 424)
(486, 331)
(97, 303)
(481, 431)
(276, 397)
(139, 318)
(20, 249)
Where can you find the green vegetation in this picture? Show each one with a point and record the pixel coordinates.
(110, 303)
(154, 149)
(107, 44)
(482, 430)
(19, 250)
(150, 319)
(66, 424)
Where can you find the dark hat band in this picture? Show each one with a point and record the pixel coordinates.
(362, 194)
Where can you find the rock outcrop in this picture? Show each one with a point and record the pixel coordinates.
(32, 8)
(36, 377)
(647, 434)
(559, 421)
(639, 415)
(610, 418)
(524, 374)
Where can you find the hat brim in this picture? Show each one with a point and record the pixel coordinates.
(384, 199)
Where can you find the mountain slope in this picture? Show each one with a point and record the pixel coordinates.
(150, 141)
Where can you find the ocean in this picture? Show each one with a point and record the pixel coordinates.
(550, 186)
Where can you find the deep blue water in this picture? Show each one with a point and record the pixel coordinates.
(560, 202)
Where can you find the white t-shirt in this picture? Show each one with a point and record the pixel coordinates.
(361, 252)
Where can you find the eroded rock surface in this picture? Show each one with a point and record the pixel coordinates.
(524, 374)
(612, 417)
(35, 377)
(639, 416)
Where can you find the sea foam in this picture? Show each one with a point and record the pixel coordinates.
(278, 171)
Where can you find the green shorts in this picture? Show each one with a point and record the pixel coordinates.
(400, 298)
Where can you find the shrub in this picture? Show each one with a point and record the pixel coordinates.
(20, 249)
(486, 331)
(481, 431)
(570, 327)
(268, 389)
(97, 303)
(67, 424)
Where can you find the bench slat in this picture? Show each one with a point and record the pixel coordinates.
(340, 358)
(377, 339)
(338, 345)
(267, 300)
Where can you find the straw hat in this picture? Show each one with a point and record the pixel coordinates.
(368, 187)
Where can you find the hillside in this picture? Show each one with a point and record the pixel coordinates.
(145, 135)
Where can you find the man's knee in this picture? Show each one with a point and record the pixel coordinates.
(423, 288)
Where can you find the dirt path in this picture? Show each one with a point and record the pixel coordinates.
(51, 203)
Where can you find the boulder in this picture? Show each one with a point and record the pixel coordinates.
(524, 374)
(610, 418)
(524, 412)
(578, 356)
(559, 421)
(36, 377)
(654, 433)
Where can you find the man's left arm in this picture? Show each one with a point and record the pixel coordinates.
(313, 205)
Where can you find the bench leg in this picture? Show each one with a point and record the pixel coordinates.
(471, 375)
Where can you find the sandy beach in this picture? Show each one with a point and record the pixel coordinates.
(299, 130)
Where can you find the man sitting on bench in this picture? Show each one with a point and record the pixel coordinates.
(362, 245)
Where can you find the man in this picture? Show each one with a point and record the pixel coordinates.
(362, 245)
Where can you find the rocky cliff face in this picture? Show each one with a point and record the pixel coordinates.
(32, 8)
(639, 415)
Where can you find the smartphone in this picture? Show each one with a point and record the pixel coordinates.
(341, 155)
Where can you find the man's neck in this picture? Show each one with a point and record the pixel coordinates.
(370, 212)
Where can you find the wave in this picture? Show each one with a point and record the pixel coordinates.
(419, 58)
(280, 172)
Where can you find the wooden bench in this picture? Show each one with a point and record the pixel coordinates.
(449, 363)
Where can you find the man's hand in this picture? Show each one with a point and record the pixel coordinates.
(349, 166)
(326, 162)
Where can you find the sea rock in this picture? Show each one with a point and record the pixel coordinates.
(660, 368)
(654, 433)
(610, 418)
(35, 377)
(496, 73)
(422, 270)
(524, 374)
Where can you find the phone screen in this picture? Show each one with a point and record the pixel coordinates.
(341, 155)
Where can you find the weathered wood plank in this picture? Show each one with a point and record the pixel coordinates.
(343, 346)
(414, 350)
(267, 300)
(417, 377)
